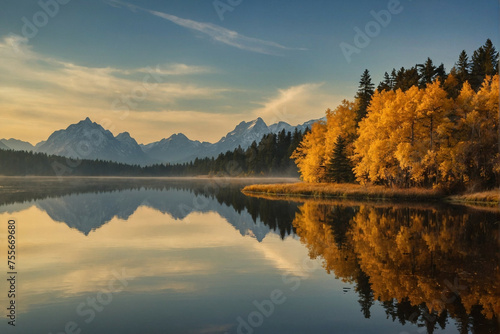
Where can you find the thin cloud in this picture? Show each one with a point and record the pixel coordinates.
(39, 93)
(297, 104)
(217, 33)
(170, 70)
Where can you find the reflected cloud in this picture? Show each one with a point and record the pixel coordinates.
(158, 234)
(164, 254)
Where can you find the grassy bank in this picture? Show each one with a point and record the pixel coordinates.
(485, 197)
(354, 191)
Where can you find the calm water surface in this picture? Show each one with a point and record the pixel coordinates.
(178, 256)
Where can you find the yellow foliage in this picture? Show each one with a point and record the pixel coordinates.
(340, 122)
(316, 148)
(421, 136)
(412, 138)
(309, 156)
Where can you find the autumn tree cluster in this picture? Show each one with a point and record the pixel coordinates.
(420, 127)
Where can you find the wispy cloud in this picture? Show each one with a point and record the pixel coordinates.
(169, 70)
(39, 93)
(217, 33)
(297, 104)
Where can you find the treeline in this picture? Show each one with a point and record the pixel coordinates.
(420, 127)
(22, 163)
(271, 156)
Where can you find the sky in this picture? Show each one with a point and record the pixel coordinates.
(199, 67)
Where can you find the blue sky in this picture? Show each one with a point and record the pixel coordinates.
(280, 60)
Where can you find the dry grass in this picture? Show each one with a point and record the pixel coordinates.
(350, 202)
(355, 191)
(488, 197)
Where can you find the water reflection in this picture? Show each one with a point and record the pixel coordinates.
(86, 205)
(182, 245)
(432, 268)
(424, 264)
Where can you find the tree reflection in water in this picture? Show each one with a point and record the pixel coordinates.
(424, 264)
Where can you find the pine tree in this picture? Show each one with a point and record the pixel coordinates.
(364, 95)
(387, 84)
(394, 76)
(339, 167)
(462, 67)
(296, 139)
(251, 158)
(484, 62)
(477, 68)
(491, 58)
(428, 73)
(440, 73)
(406, 78)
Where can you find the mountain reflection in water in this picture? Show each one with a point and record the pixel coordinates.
(88, 205)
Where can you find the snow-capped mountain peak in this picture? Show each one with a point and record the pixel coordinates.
(89, 140)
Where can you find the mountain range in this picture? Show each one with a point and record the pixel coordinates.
(89, 140)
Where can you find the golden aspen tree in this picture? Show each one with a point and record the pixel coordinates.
(433, 111)
(410, 150)
(378, 139)
(473, 159)
(309, 156)
(451, 84)
(340, 122)
(454, 158)
(487, 157)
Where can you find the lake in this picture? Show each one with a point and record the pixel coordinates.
(198, 256)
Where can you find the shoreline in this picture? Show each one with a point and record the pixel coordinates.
(216, 178)
(377, 193)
